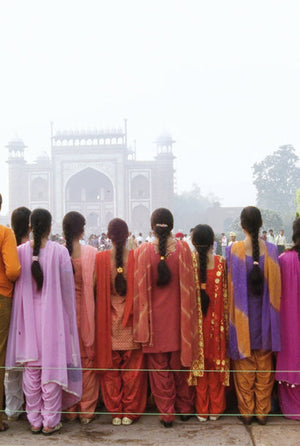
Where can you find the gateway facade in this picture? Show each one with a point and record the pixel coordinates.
(95, 173)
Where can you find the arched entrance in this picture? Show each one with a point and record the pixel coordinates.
(91, 193)
(140, 219)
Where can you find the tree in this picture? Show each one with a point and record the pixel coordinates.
(276, 179)
(298, 201)
(189, 208)
(271, 220)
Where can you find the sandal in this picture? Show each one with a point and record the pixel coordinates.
(4, 427)
(35, 430)
(85, 420)
(116, 421)
(51, 430)
(127, 421)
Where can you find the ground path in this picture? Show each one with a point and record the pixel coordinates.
(227, 430)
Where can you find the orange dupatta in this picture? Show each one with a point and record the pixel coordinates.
(103, 359)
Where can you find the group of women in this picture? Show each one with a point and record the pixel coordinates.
(81, 320)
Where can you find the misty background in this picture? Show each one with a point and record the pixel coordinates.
(221, 77)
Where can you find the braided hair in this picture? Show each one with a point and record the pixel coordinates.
(296, 236)
(118, 233)
(20, 223)
(40, 221)
(162, 225)
(73, 227)
(251, 221)
(203, 239)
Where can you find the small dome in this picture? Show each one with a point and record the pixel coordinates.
(164, 135)
(16, 142)
(42, 157)
(164, 138)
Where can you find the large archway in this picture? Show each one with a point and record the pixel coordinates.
(140, 219)
(91, 193)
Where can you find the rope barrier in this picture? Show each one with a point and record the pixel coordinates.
(21, 368)
(159, 413)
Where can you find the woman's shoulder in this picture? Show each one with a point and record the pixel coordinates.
(24, 246)
(219, 259)
(236, 247)
(271, 248)
(145, 247)
(286, 256)
(89, 252)
(220, 262)
(89, 248)
(181, 245)
(102, 256)
(5, 232)
(57, 247)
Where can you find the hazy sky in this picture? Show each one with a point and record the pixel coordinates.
(223, 77)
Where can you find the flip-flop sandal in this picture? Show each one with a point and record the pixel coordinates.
(54, 429)
(35, 430)
(4, 427)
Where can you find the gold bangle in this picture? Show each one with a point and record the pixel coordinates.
(120, 270)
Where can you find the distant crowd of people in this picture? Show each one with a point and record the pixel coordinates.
(77, 318)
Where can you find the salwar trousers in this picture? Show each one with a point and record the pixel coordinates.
(254, 380)
(90, 393)
(14, 398)
(210, 392)
(169, 385)
(125, 392)
(43, 401)
(5, 311)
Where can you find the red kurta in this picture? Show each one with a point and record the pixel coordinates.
(124, 392)
(164, 322)
(210, 388)
(165, 308)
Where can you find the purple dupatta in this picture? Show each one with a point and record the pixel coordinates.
(239, 338)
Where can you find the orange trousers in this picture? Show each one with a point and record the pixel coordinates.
(125, 392)
(90, 393)
(254, 380)
(210, 392)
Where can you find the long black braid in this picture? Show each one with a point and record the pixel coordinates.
(251, 221)
(162, 225)
(203, 239)
(118, 233)
(40, 224)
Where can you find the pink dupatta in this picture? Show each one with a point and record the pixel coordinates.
(87, 323)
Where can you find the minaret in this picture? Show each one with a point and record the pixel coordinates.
(17, 174)
(163, 184)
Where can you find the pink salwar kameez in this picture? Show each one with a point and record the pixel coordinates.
(43, 335)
